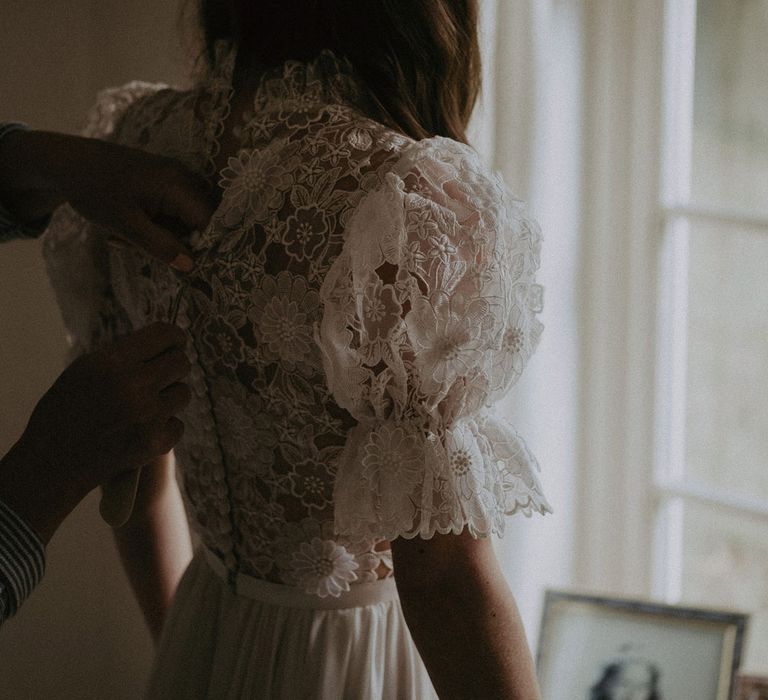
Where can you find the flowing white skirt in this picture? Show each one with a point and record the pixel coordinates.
(268, 641)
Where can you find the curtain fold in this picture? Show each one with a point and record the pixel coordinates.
(528, 126)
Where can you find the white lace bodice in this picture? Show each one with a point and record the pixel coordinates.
(359, 302)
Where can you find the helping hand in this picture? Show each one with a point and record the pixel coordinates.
(143, 198)
(114, 409)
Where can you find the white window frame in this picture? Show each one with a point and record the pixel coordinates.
(673, 490)
(638, 69)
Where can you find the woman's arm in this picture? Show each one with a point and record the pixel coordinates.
(463, 618)
(154, 544)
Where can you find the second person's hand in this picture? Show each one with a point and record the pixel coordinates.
(145, 199)
(110, 412)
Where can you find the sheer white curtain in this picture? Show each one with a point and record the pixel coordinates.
(528, 127)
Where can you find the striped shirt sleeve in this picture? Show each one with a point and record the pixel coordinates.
(22, 561)
(10, 227)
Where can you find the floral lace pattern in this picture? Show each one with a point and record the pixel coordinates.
(426, 324)
(359, 300)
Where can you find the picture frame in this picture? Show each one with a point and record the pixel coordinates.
(599, 648)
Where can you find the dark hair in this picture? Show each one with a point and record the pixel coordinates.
(419, 60)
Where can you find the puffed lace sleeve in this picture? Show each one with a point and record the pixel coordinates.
(76, 252)
(429, 316)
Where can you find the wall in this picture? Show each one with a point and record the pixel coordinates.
(80, 635)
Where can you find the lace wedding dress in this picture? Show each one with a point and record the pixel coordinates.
(359, 302)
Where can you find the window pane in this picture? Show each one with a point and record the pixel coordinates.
(725, 559)
(730, 138)
(727, 388)
(725, 564)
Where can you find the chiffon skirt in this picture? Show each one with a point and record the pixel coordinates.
(258, 639)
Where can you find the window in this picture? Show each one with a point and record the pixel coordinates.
(711, 463)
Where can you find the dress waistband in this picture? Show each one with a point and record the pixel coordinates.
(360, 594)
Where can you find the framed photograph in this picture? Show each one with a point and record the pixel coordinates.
(752, 688)
(597, 648)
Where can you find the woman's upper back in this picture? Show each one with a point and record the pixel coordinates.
(357, 301)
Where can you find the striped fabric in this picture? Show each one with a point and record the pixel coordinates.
(22, 561)
(10, 228)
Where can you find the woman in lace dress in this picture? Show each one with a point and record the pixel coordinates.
(362, 296)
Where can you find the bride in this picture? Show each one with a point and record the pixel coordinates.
(361, 297)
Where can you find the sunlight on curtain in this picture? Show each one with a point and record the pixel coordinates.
(528, 127)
